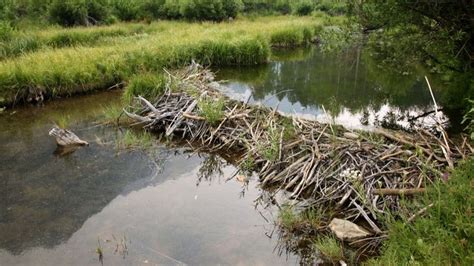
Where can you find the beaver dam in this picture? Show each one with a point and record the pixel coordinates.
(362, 175)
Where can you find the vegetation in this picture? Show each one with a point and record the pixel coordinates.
(438, 34)
(100, 12)
(212, 110)
(103, 62)
(147, 85)
(443, 235)
(330, 248)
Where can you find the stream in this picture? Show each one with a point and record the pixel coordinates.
(175, 207)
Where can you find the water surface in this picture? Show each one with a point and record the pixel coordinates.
(348, 88)
(58, 209)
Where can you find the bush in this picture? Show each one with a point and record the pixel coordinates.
(304, 8)
(203, 10)
(78, 12)
(232, 7)
(68, 12)
(171, 9)
(125, 10)
(283, 6)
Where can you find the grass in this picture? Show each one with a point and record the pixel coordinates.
(82, 68)
(444, 235)
(330, 248)
(147, 85)
(131, 140)
(212, 110)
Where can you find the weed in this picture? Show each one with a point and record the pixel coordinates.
(212, 110)
(147, 85)
(248, 165)
(271, 148)
(63, 121)
(111, 113)
(131, 140)
(330, 248)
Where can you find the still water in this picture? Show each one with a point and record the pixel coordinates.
(57, 210)
(348, 88)
(172, 207)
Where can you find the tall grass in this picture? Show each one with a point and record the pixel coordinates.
(79, 69)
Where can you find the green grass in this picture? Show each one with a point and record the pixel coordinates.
(330, 248)
(147, 85)
(444, 235)
(70, 70)
(132, 141)
(212, 110)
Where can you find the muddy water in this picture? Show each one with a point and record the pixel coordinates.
(348, 88)
(58, 209)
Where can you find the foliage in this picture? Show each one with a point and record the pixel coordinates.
(330, 248)
(443, 235)
(440, 35)
(147, 85)
(132, 140)
(212, 110)
(304, 7)
(109, 55)
(78, 12)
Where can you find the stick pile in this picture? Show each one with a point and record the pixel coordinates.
(362, 174)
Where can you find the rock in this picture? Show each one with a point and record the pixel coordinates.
(347, 231)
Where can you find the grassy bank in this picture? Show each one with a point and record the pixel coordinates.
(65, 71)
(444, 234)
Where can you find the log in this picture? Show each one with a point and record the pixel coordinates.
(66, 137)
(398, 192)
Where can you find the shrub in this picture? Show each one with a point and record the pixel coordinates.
(203, 10)
(68, 12)
(171, 9)
(283, 6)
(78, 12)
(304, 7)
(232, 7)
(125, 10)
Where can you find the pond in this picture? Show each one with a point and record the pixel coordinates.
(172, 206)
(348, 88)
(55, 209)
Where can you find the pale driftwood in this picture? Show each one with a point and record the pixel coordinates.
(66, 137)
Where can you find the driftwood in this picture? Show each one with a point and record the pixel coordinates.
(323, 164)
(66, 137)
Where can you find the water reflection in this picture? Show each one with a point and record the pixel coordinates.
(55, 210)
(350, 85)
